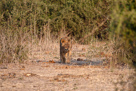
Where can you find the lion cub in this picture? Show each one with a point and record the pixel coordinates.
(65, 50)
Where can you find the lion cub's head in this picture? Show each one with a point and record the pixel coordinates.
(66, 44)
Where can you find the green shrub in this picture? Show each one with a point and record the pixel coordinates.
(79, 17)
(123, 28)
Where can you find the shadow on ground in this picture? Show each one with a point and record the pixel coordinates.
(75, 62)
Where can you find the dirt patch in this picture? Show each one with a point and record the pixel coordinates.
(58, 77)
(89, 70)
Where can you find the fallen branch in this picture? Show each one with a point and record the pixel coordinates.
(93, 31)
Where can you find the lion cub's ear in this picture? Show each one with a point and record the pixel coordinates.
(62, 41)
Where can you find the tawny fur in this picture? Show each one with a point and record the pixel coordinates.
(65, 50)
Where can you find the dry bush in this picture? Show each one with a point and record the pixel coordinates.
(13, 45)
(101, 50)
(18, 46)
(45, 48)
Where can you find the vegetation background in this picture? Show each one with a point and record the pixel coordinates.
(26, 23)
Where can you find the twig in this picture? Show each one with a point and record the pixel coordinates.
(93, 31)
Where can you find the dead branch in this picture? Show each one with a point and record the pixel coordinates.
(93, 31)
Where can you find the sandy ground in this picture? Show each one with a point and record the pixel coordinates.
(50, 75)
(47, 76)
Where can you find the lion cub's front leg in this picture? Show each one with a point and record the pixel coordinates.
(65, 50)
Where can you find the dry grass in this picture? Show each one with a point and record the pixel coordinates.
(13, 46)
(23, 46)
(45, 50)
(18, 46)
(46, 72)
(96, 50)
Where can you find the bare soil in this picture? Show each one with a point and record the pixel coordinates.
(51, 75)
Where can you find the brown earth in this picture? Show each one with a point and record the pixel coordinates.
(86, 74)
